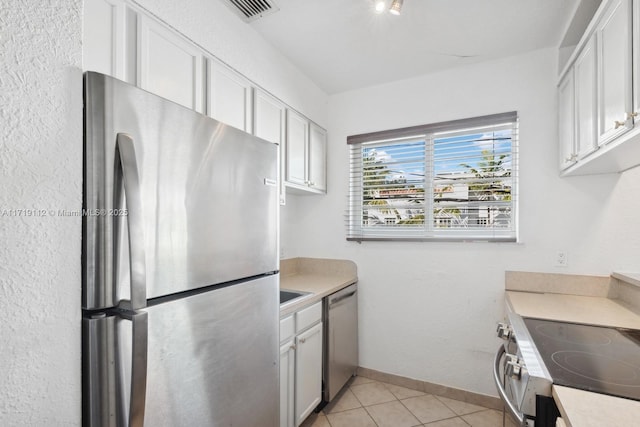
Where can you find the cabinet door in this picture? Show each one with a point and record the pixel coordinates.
(269, 116)
(287, 374)
(635, 55)
(586, 140)
(614, 77)
(296, 150)
(566, 121)
(308, 372)
(229, 99)
(108, 39)
(317, 158)
(169, 65)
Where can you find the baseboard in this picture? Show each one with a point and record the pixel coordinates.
(431, 388)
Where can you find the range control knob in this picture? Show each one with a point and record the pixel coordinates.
(504, 331)
(511, 357)
(513, 369)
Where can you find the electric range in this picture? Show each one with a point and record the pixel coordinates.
(538, 353)
(594, 358)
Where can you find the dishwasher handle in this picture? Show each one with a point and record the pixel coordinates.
(337, 299)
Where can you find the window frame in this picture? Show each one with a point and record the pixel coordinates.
(358, 231)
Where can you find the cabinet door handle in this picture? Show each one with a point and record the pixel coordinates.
(618, 124)
(571, 158)
(293, 347)
(303, 340)
(632, 115)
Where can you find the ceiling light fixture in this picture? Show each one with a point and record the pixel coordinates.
(380, 5)
(396, 6)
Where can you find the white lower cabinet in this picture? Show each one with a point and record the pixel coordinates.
(287, 375)
(300, 365)
(308, 372)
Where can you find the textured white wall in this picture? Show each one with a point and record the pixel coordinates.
(428, 310)
(41, 169)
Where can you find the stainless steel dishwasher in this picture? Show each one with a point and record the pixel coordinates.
(340, 340)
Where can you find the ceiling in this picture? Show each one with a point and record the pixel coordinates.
(344, 45)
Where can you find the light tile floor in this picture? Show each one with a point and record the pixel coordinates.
(369, 403)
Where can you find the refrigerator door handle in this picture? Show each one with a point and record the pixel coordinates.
(139, 344)
(107, 351)
(126, 168)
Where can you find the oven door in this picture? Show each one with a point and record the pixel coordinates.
(522, 379)
(511, 390)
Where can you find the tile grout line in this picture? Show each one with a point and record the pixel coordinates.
(369, 414)
(361, 406)
(431, 422)
(398, 399)
(405, 406)
(452, 410)
(364, 407)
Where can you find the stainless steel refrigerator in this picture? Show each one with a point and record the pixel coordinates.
(180, 266)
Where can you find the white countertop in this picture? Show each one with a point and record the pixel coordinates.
(581, 408)
(319, 276)
(573, 308)
(585, 409)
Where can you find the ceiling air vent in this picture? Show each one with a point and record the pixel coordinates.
(250, 10)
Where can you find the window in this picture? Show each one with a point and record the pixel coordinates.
(446, 181)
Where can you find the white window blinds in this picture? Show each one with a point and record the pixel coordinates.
(447, 181)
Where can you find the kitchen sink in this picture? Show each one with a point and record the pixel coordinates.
(289, 297)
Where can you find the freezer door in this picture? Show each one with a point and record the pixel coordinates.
(211, 360)
(177, 198)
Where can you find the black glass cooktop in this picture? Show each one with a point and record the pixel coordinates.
(599, 359)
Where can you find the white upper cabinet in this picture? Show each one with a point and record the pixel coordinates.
(100, 44)
(269, 117)
(297, 146)
(306, 155)
(317, 157)
(597, 132)
(577, 109)
(614, 78)
(107, 45)
(635, 56)
(169, 65)
(566, 121)
(586, 140)
(123, 40)
(229, 96)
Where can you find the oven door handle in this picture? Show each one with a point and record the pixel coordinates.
(513, 411)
